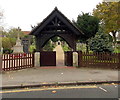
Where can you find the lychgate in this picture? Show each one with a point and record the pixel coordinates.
(56, 24)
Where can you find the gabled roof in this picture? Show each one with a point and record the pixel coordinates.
(56, 13)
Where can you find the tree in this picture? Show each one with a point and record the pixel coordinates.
(10, 37)
(48, 46)
(88, 24)
(100, 43)
(6, 43)
(1, 17)
(1, 28)
(13, 33)
(109, 14)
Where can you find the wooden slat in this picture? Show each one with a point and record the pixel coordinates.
(17, 61)
(104, 60)
(28, 60)
(4, 62)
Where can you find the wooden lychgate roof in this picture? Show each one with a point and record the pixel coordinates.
(56, 23)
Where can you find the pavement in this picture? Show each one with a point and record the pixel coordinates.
(39, 76)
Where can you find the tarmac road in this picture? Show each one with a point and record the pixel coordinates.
(86, 91)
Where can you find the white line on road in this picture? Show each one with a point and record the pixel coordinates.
(103, 89)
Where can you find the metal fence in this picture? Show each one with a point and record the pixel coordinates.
(17, 61)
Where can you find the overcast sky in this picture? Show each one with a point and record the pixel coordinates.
(24, 13)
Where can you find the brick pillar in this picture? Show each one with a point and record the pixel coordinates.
(37, 59)
(75, 59)
(80, 58)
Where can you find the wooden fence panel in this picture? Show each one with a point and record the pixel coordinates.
(105, 60)
(17, 61)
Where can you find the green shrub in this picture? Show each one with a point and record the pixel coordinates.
(100, 43)
(7, 51)
(32, 48)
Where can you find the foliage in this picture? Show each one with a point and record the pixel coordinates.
(7, 51)
(109, 14)
(81, 47)
(57, 38)
(32, 48)
(48, 46)
(66, 48)
(54, 39)
(100, 43)
(10, 37)
(88, 24)
(8, 42)
(117, 49)
(13, 33)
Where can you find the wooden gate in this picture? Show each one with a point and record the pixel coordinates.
(47, 58)
(69, 58)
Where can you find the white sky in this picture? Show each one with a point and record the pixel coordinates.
(24, 13)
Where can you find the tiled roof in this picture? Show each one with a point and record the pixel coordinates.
(26, 32)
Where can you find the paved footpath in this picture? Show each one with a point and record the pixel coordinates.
(42, 75)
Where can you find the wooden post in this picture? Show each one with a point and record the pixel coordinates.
(80, 58)
(33, 59)
(119, 61)
(1, 62)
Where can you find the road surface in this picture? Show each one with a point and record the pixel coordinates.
(91, 91)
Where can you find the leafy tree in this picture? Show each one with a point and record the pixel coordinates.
(109, 14)
(6, 42)
(13, 33)
(48, 46)
(54, 39)
(100, 43)
(88, 24)
(10, 37)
